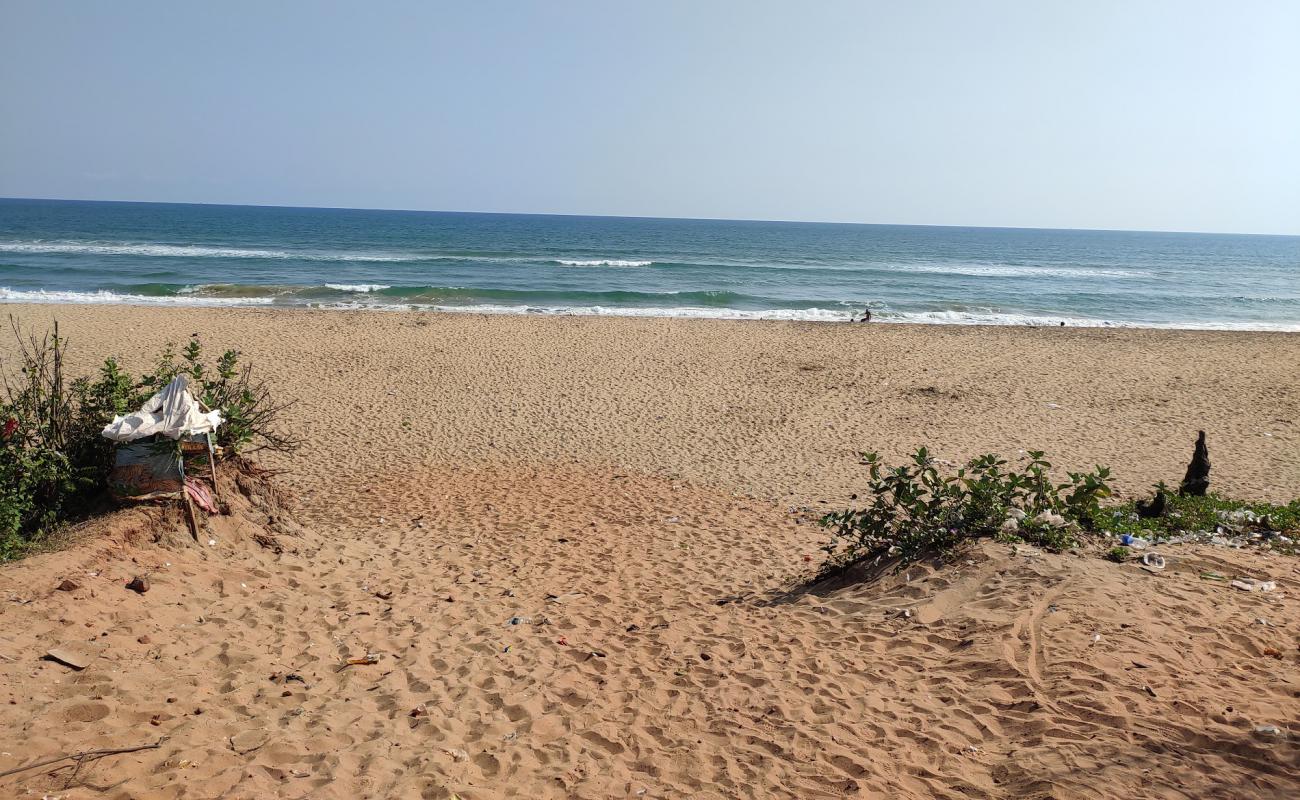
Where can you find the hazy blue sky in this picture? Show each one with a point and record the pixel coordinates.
(1158, 115)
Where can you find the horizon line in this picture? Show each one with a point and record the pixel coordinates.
(648, 217)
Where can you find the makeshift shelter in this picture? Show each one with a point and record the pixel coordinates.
(164, 450)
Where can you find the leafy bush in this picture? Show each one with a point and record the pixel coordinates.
(251, 416)
(52, 460)
(54, 464)
(915, 509)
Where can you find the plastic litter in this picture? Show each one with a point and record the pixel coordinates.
(1252, 585)
(1135, 542)
(368, 658)
(1051, 519)
(1153, 561)
(172, 412)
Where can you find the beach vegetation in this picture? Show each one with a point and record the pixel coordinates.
(251, 415)
(920, 507)
(1203, 516)
(54, 462)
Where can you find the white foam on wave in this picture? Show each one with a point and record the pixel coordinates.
(1043, 320)
(104, 297)
(1010, 271)
(360, 288)
(156, 250)
(684, 312)
(602, 262)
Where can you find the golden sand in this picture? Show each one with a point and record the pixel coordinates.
(621, 490)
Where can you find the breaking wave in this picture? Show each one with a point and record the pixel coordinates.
(190, 251)
(693, 305)
(602, 262)
(1012, 271)
(363, 288)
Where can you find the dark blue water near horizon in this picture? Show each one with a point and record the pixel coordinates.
(177, 254)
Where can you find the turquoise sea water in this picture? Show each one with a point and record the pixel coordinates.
(92, 252)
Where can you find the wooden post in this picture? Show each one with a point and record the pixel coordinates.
(190, 519)
(212, 462)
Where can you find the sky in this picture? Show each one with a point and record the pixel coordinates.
(1177, 115)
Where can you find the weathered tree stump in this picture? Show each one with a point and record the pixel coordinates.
(1197, 480)
(1156, 508)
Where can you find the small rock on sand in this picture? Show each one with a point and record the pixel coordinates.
(139, 584)
(68, 586)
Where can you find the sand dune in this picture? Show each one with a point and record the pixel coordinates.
(621, 491)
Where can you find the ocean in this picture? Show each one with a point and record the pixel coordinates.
(176, 254)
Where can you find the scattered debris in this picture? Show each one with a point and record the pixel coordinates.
(77, 655)
(266, 540)
(1155, 508)
(385, 595)
(564, 598)
(1051, 519)
(368, 658)
(1268, 730)
(1253, 585)
(84, 756)
(1149, 690)
(1153, 561)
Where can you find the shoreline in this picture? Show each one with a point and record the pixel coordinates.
(821, 316)
(773, 410)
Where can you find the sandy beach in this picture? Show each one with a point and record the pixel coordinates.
(576, 543)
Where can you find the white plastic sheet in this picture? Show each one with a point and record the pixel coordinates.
(173, 412)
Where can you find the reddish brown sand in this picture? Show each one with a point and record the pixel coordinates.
(610, 483)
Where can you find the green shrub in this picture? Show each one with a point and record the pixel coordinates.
(49, 463)
(914, 509)
(251, 415)
(54, 464)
